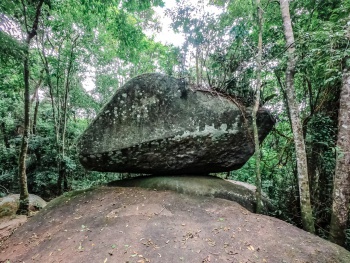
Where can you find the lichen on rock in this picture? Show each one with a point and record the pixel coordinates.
(156, 124)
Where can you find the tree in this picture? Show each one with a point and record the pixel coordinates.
(299, 144)
(259, 207)
(31, 32)
(204, 37)
(341, 184)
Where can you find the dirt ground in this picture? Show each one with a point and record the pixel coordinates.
(122, 224)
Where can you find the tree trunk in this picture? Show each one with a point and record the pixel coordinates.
(36, 99)
(65, 183)
(341, 184)
(62, 173)
(197, 66)
(23, 208)
(61, 176)
(259, 206)
(4, 134)
(303, 181)
(35, 117)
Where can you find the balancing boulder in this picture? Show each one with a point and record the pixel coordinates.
(157, 124)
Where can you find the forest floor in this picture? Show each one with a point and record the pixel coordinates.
(121, 224)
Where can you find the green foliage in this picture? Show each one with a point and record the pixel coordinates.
(141, 5)
(10, 48)
(43, 183)
(74, 37)
(91, 179)
(322, 44)
(129, 36)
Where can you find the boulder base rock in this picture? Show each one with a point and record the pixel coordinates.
(242, 193)
(131, 224)
(158, 124)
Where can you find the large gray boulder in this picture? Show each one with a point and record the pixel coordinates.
(158, 124)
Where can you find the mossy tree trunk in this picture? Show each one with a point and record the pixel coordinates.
(299, 144)
(341, 184)
(259, 206)
(23, 207)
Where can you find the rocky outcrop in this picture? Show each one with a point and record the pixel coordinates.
(242, 193)
(9, 204)
(158, 124)
(131, 224)
(9, 221)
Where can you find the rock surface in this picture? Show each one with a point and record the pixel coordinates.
(9, 224)
(9, 204)
(157, 124)
(9, 221)
(131, 224)
(242, 193)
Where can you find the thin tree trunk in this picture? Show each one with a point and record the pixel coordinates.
(49, 83)
(201, 68)
(259, 205)
(285, 100)
(35, 117)
(312, 173)
(303, 181)
(34, 130)
(197, 66)
(4, 134)
(36, 99)
(62, 174)
(341, 184)
(55, 115)
(23, 207)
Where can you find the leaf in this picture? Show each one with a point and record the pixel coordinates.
(80, 248)
(268, 98)
(251, 248)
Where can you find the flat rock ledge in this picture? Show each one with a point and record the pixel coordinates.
(157, 124)
(242, 193)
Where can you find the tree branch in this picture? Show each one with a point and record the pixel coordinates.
(33, 32)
